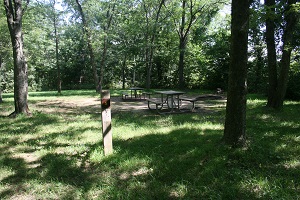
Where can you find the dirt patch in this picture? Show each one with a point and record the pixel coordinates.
(93, 105)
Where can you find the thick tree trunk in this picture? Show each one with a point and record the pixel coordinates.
(20, 76)
(271, 49)
(14, 13)
(182, 45)
(235, 123)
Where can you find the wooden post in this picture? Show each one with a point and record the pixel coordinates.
(106, 122)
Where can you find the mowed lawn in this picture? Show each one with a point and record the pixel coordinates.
(57, 152)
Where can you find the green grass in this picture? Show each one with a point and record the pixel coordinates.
(59, 155)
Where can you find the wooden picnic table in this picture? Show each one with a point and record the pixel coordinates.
(168, 98)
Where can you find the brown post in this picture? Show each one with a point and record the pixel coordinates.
(106, 122)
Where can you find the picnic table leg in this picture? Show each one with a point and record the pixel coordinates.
(193, 106)
(172, 103)
(162, 99)
(178, 102)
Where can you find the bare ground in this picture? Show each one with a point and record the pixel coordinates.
(93, 105)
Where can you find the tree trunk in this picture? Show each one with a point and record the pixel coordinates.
(271, 49)
(56, 50)
(123, 72)
(182, 47)
(1, 100)
(258, 51)
(14, 13)
(235, 122)
(149, 68)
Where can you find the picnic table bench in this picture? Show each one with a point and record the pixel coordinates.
(144, 94)
(125, 95)
(157, 103)
(193, 100)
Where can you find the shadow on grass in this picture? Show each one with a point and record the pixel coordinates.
(185, 163)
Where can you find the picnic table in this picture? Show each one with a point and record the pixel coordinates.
(168, 98)
(134, 94)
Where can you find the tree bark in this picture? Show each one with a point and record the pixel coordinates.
(182, 46)
(123, 72)
(14, 14)
(235, 122)
(55, 18)
(1, 100)
(271, 49)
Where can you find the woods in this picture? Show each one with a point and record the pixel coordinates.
(152, 44)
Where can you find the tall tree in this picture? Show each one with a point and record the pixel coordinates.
(191, 11)
(89, 43)
(271, 49)
(55, 25)
(14, 14)
(152, 20)
(106, 27)
(235, 122)
(278, 82)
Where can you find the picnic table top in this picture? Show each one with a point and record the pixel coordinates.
(170, 92)
(136, 88)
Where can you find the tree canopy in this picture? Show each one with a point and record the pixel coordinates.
(155, 43)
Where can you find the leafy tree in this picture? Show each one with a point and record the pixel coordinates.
(185, 17)
(151, 23)
(278, 80)
(14, 15)
(89, 43)
(106, 29)
(54, 16)
(235, 122)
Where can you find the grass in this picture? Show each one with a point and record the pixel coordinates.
(57, 153)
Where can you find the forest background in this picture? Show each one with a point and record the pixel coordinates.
(152, 44)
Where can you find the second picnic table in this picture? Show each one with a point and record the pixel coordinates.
(134, 92)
